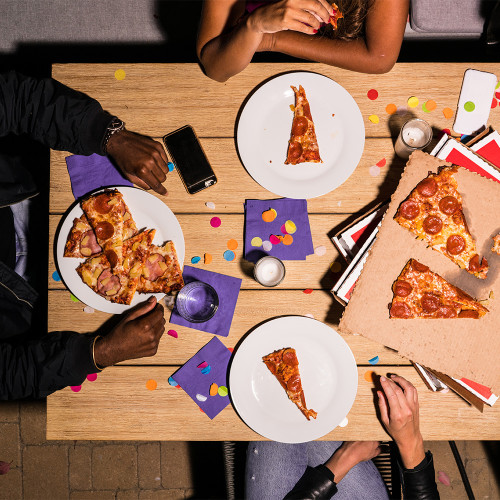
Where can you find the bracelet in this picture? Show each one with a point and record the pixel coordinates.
(93, 354)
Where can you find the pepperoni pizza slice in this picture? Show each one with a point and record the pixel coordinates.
(284, 365)
(433, 212)
(334, 18)
(303, 145)
(81, 242)
(161, 272)
(421, 293)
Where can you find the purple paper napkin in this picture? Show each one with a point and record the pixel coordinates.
(92, 172)
(287, 209)
(196, 380)
(227, 289)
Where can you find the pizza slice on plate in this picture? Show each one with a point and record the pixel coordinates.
(433, 212)
(336, 16)
(161, 272)
(81, 242)
(96, 273)
(303, 145)
(496, 244)
(284, 365)
(421, 293)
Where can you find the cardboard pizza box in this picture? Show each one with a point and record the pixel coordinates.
(458, 347)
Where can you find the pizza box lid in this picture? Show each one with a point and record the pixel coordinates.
(458, 347)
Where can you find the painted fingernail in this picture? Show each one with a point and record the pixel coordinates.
(315, 31)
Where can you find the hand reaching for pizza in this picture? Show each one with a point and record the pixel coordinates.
(398, 404)
(305, 16)
(137, 335)
(142, 160)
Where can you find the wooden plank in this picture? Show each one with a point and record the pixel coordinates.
(119, 396)
(235, 184)
(156, 98)
(253, 308)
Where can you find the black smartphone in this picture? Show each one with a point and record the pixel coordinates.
(189, 158)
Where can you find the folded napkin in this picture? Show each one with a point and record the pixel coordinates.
(227, 289)
(277, 227)
(208, 366)
(92, 172)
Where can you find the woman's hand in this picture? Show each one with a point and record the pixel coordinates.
(398, 404)
(304, 16)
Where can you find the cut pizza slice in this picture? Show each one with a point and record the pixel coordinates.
(81, 242)
(433, 212)
(421, 293)
(303, 145)
(334, 18)
(284, 365)
(96, 273)
(496, 244)
(161, 272)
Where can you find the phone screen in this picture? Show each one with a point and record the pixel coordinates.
(189, 158)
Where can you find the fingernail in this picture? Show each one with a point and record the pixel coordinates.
(315, 31)
(151, 299)
(393, 375)
(382, 379)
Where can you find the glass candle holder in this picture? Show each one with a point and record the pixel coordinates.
(269, 271)
(415, 134)
(197, 302)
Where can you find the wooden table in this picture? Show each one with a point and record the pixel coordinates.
(156, 98)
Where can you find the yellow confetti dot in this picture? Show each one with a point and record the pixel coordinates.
(120, 74)
(256, 242)
(232, 244)
(214, 389)
(269, 215)
(151, 384)
(413, 102)
(287, 239)
(335, 267)
(290, 227)
(391, 109)
(447, 112)
(374, 118)
(208, 258)
(431, 105)
(369, 376)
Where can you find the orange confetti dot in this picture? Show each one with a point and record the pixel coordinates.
(431, 105)
(208, 258)
(232, 244)
(447, 112)
(151, 384)
(391, 109)
(214, 389)
(269, 215)
(287, 239)
(369, 376)
(308, 291)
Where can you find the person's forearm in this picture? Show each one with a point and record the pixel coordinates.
(412, 453)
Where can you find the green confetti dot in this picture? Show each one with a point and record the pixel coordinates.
(73, 298)
(424, 108)
(469, 106)
(222, 391)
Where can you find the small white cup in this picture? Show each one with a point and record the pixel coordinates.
(269, 271)
(415, 134)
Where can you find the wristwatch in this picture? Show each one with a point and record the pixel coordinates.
(115, 126)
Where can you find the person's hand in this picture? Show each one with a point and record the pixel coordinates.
(349, 454)
(141, 159)
(398, 404)
(137, 335)
(305, 16)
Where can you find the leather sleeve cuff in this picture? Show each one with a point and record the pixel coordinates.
(316, 483)
(420, 483)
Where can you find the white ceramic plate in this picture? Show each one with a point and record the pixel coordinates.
(327, 369)
(147, 212)
(264, 130)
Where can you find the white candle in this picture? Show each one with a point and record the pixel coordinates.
(269, 271)
(415, 134)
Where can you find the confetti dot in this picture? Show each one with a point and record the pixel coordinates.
(320, 250)
(91, 377)
(203, 364)
(88, 310)
(55, 276)
(372, 94)
(269, 215)
(344, 422)
(447, 112)
(390, 109)
(256, 242)
(381, 163)
(214, 389)
(430, 105)
(443, 391)
(494, 104)
(76, 388)
(274, 239)
(287, 239)
(369, 376)
(201, 397)
(206, 370)
(402, 110)
(232, 244)
(443, 478)
(424, 108)
(498, 86)
(374, 118)
(222, 391)
(412, 102)
(119, 74)
(290, 227)
(151, 384)
(374, 360)
(335, 267)
(195, 260)
(230, 349)
(469, 106)
(210, 205)
(446, 131)
(374, 170)
(215, 222)
(339, 203)
(173, 333)
(229, 255)
(171, 166)
(267, 246)
(73, 298)
(208, 258)
(283, 229)
(308, 291)
(309, 315)
(497, 94)
(172, 382)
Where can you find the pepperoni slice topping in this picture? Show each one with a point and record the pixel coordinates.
(446, 312)
(427, 187)
(295, 150)
(400, 310)
(432, 224)
(307, 111)
(420, 268)
(409, 209)
(293, 384)
(290, 358)
(402, 288)
(300, 125)
(429, 302)
(104, 230)
(468, 313)
(448, 205)
(101, 204)
(455, 244)
(112, 257)
(476, 265)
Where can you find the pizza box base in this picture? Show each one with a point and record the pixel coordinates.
(458, 347)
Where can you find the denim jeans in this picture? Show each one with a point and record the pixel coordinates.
(272, 469)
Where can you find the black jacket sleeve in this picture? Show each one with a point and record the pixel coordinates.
(51, 113)
(316, 483)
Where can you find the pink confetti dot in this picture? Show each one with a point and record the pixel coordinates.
(203, 364)
(274, 239)
(91, 377)
(173, 333)
(283, 229)
(444, 478)
(372, 94)
(308, 291)
(76, 388)
(381, 163)
(494, 103)
(215, 222)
